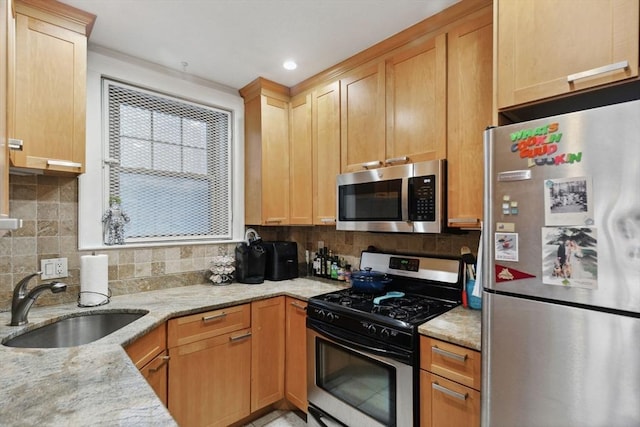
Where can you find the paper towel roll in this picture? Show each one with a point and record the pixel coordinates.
(94, 279)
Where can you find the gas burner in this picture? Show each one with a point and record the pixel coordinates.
(391, 312)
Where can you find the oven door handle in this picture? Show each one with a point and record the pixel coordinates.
(361, 347)
(322, 419)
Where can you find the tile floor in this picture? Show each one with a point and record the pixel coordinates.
(279, 419)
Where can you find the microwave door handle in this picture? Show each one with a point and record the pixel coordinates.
(404, 203)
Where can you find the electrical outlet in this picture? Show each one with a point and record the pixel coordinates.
(53, 268)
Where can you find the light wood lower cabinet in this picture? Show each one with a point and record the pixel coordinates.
(267, 352)
(210, 375)
(210, 380)
(296, 353)
(449, 384)
(227, 363)
(150, 357)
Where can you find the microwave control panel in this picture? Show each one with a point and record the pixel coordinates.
(422, 198)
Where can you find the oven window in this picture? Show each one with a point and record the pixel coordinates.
(371, 201)
(361, 382)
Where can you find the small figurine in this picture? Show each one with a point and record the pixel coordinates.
(114, 220)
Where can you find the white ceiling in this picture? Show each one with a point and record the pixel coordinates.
(232, 42)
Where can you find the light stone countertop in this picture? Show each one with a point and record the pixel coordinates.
(461, 326)
(97, 384)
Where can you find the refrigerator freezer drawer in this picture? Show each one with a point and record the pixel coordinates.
(555, 365)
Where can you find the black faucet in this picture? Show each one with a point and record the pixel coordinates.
(22, 301)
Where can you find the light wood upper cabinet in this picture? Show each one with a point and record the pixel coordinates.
(296, 353)
(267, 351)
(547, 48)
(326, 152)
(47, 86)
(416, 94)
(266, 153)
(469, 106)
(362, 111)
(301, 170)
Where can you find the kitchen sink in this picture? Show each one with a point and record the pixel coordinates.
(76, 330)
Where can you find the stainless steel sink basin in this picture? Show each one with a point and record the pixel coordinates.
(73, 331)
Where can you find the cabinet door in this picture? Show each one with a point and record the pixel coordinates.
(326, 152)
(275, 161)
(49, 96)
(155, 372)
(542, 43)
(444, 403)
(416, 92)
(209, 380)
(362, 117)
(296, 353)
(267, 356)
(301, 170)
(469, 113)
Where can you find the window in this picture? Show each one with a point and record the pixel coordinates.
(169, 163)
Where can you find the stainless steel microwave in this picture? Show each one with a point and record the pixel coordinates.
(406, 198)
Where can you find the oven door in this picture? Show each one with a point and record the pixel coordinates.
(356, 383)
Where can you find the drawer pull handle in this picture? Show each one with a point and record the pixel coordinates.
(328, 220)
(464, 220)
(214, 317)
(450, 355)
(15, 144)
(451, 393)
(165, 360)
(64, 163)
(373, 164)
(240, 337)
(298, 306)
(622, 65)
(403, 159)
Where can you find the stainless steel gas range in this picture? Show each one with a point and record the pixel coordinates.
(363, 348)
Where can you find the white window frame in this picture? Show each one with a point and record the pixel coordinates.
(93, 203)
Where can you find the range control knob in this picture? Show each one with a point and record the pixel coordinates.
(321, 314)
(330, 317)
(372, 329)
(384, 333)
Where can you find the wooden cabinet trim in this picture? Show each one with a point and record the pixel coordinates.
(429, 27)
(57, 13)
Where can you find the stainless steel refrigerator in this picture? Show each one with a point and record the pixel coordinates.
(561, 271)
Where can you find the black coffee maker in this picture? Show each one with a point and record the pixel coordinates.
(251, 259)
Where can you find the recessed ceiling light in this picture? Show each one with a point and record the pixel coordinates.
(290, 65)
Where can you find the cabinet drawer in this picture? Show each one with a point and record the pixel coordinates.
(456, 363)
(446, 403)
(196, 327)
(145, 348)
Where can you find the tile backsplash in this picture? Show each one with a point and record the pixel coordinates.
(48, 206)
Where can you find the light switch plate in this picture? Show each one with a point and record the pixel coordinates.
(53, 268)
